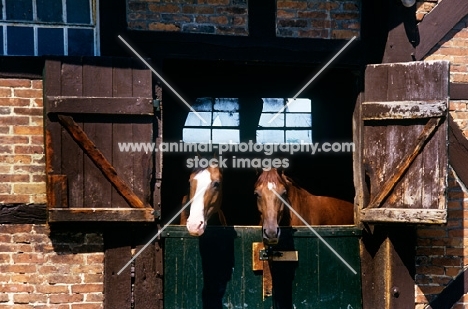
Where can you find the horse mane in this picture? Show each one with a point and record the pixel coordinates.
(269, 176)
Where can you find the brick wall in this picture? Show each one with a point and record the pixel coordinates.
(40, 269)
(318, 19)
(424, 7)
(336, 19)
(22, 167)
(191, 16)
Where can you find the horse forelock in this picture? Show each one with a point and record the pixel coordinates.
(270, 176)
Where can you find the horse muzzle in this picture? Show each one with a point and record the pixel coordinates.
(271, 236)
(197, 228)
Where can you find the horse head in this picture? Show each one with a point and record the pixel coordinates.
(206, 192)
(272, 209)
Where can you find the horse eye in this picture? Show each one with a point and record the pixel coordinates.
(216, 184)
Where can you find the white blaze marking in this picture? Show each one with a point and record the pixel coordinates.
(197, 210)
(271, 185)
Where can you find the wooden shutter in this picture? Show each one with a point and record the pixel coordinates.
(400, 127)
(92, 105)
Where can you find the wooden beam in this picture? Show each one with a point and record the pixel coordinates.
(57, 192)
(458, 151)
(23, 214)
(405, 163)
(458, 91)
(100, 161)
(403, 110)
(438, 23)
(101, 214)
(452, 293)
(404, 215)
(99, 105)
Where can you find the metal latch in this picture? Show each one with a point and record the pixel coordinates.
(278, 256)
(157, 105)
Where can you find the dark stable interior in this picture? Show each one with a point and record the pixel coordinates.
(333, 95)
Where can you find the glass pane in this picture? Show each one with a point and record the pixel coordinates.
(299, 106)
(226, 104)
(298, 136)
(196, 135)
(298, 120)
(20, 41)
(225, 136)
(265, 119)
(49, 10)
(194, 121)
(223, 119)
(19, 9)
(203, 104)
(272, 105)
(80, 42)
(270, 136)
(50, 41)
(78, 11)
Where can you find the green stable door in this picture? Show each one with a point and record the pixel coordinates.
(220, 269)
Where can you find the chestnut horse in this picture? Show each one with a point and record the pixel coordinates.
(315, 210)
(206, 187)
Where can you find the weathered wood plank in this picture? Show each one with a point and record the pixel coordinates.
(122, 130)
(117, 288)
(57, 191)
(438, 23)
(402, 215)
(405, 163)
(97, 82)
(101, 214)
(72, 155)
(53, 139)
(100, 105)
(23, 214)
(146, 280)
(100, 161)
(403, 110)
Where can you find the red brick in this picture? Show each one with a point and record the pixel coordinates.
(30, 111)
(291, 5)
(197, 9)
(52, 289)
(14, 102)
(446, 261)
(37, 121)
(12, 82)
(452, 271)
(36, 84)
(5, 92)
(16, 228)
(430, 251)
(29, 298)
(14, 178)
(4, 130)
(5, 258)
(29, 168)
(30, 188)
(164, 8)
(214, 2)
(33, 258)
(13, 140)
(68, 259)
(220, 20)
(29, 149)
(344, 34)
(16, 120)
(65, 298)
(5, 188)
(6, 149)
(14, 199)
(27, 93)
(312, 14)
(93, 278)
(163, 27)
(16, 288)
(87, 288)
(27, 278)
(63, 278)
(37, 102)
(94, 297)
(423, 232)
(14, 268)
(39, 178)
(95, 258)
(37, 140)
(28, 130)
(430, 270)
(286, 14)
(86, 306)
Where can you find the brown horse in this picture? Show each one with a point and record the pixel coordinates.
(206, 192)
(316, 210)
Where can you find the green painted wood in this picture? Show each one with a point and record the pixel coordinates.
(223, 256)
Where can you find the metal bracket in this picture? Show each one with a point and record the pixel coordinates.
(157, 105)
(269, 254)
